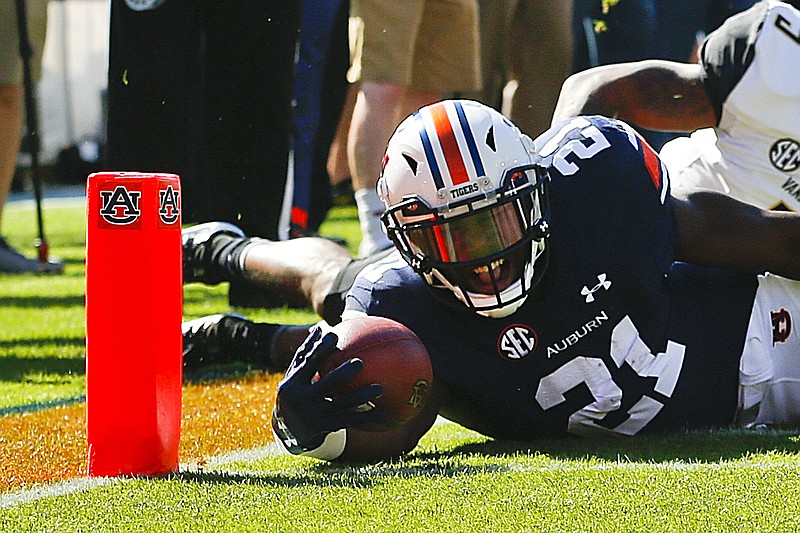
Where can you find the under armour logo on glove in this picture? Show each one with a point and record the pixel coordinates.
(143, 5)
(603, 283)
(285, 435)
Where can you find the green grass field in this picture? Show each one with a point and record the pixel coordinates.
(455, 480)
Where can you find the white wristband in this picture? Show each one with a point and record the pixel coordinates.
(331, 448)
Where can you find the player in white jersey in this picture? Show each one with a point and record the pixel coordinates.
(742, 103)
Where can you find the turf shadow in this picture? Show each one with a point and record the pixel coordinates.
(693, 446)
(42, 302)
(15, 369)
(269, 480)
(358, 475)
(58, 341)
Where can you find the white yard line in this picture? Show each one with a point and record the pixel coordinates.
(56, 196)
(27, 205)
(73, 486)
(63, 488)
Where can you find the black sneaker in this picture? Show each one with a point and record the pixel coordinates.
(198, 258)
(224, 339)
(11, 261)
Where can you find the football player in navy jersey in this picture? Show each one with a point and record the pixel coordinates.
(742, 101)
(557, 284)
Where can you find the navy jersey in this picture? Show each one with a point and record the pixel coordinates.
(617, 339)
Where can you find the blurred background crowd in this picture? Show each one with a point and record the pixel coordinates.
(272, 111)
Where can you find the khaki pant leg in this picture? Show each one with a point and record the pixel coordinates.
(10, 59)
(540, 49)
(447, 50)
(494, 21)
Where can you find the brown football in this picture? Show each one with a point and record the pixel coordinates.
(394, 357)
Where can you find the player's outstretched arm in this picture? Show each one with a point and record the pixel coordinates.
(654, 94)
(717, 230)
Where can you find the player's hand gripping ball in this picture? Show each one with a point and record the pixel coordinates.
(394, 357)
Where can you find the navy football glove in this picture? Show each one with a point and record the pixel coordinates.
(306, 412)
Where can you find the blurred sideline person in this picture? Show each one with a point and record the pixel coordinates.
(526, 54)
(12, 111)
(742, 101)
(204, 89)
(411, 53)
(320, 88)
(599, 303)
(695, 19)
(620, 32)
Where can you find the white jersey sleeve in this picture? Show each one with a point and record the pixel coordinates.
(751, 64)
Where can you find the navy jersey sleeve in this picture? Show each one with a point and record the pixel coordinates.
(728, 51)
(609, 194)
(388, 287)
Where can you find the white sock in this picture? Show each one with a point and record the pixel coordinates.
(370, 208)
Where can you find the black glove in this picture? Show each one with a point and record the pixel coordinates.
(305, 412)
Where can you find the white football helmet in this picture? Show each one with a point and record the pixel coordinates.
(466, 205)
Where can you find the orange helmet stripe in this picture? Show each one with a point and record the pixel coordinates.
(447, 139)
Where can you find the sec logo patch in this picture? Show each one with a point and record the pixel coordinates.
(785, 155)
(517, 342)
